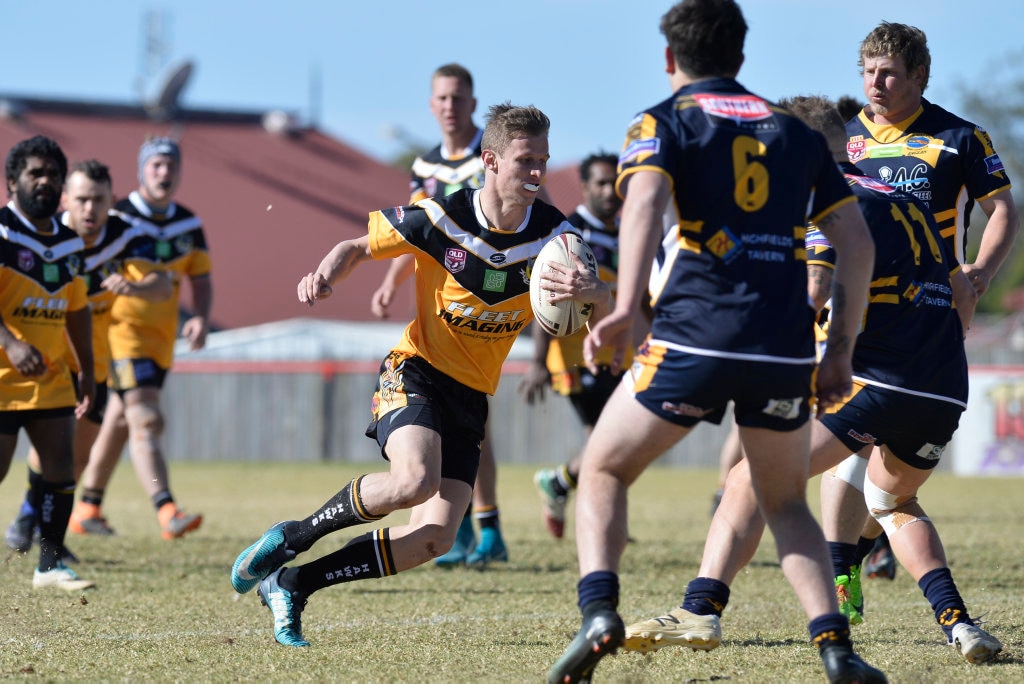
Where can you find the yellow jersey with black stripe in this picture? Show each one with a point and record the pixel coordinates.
(104, 258)
(174, 243)
(40, 282)
(472, 280)
(944, 161)
(441, 172)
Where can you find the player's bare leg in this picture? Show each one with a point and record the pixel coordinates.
(87, 517)
(485, 508)
(145, 421)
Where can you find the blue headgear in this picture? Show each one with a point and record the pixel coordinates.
(156, 146)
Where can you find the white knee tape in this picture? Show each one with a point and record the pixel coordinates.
(852, 471)
(886, 508)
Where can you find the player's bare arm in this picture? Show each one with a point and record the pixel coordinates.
(338, 263)
(398, 272)
(639, 234)
(79, 327)
(537, 377)
(819, 285)
(195, 328)
(25, 358)
(996, 241)
(965, 297)
(855, 257)
(156, 286)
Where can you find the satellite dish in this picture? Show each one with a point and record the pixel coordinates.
(167, 99)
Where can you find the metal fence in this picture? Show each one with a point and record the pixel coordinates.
(305, 411)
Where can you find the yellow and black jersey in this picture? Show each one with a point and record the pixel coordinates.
(565, 354)
(472, 280)
(440, 172)
(174, 243)
(102, 259)
(40, 282)
(944, 161)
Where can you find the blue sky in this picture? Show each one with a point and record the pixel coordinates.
(590, 65)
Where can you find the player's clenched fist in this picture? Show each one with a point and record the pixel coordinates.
(312, 287)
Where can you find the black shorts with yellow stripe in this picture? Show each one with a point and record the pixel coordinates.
(412, 392)
(685, 388)
(915, 429)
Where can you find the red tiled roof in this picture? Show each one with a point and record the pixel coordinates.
(272, 205)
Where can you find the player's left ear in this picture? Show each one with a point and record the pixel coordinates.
(670, 61)
(490, 160)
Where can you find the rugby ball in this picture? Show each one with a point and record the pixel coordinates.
(563, 318)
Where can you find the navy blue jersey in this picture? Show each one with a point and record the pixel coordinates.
(912, 338)
(746, 177)
(946, 162)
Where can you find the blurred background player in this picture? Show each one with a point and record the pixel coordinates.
(87, 199)
(43, 305)
(735, 174)
(948, 163)
(142, 334)
(559, 361)
(453, 165)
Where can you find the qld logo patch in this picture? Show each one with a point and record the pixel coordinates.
(454, 259)
(26, 259)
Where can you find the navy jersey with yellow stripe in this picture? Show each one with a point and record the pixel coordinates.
(40, 282)
(745, 176)
(472, 281)
(945, 161)
(912, 338)
(438, 173)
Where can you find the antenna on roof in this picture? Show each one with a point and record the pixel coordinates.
(156, 46)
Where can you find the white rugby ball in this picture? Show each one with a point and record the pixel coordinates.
(563, 318)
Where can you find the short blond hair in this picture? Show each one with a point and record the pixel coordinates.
(506, 121)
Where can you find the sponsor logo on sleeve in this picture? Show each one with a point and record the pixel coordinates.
(637, 148)
(993, 164)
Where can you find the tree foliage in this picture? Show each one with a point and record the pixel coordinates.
(995, 101)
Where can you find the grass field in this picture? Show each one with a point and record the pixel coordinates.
(165, 611)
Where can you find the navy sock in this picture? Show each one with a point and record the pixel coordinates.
(601, 587)
(940, 590)
(830, 629)
(864, 546)
(843, 556)
(706, 596)
(54, 505)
